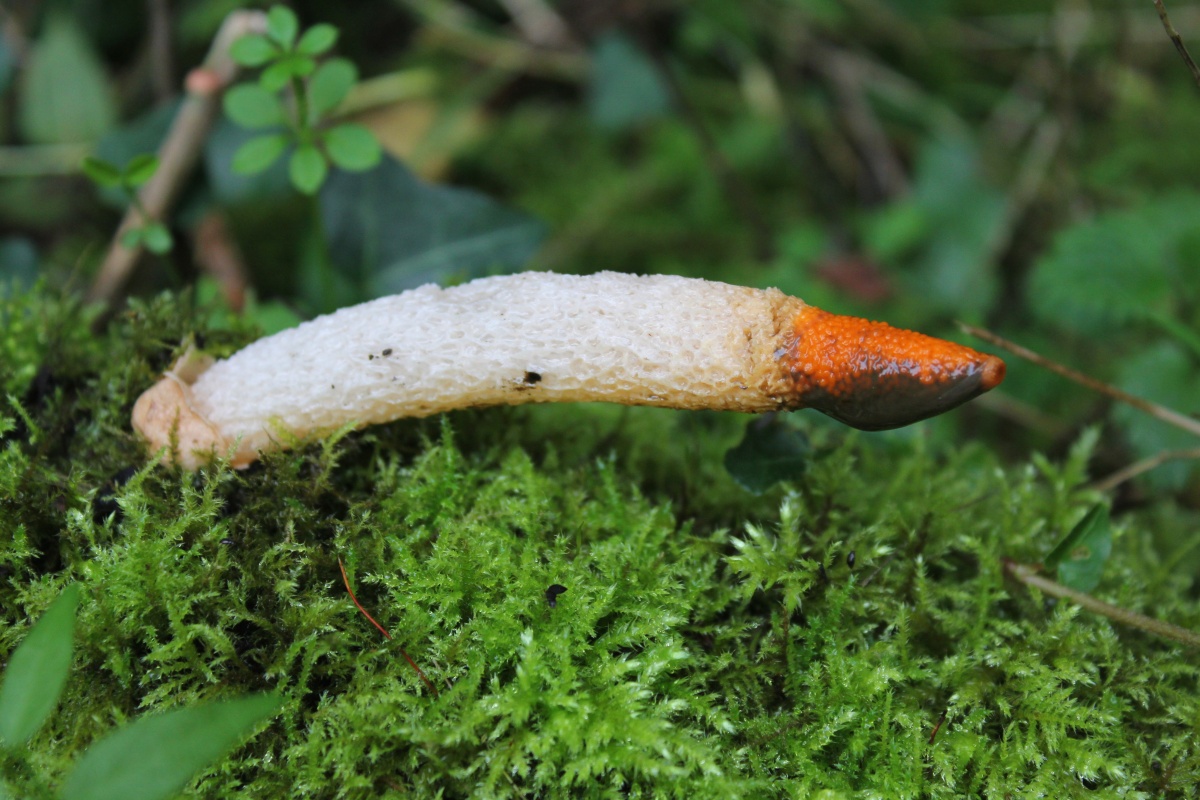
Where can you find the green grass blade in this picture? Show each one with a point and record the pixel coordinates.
(154, 757)
(37, 671)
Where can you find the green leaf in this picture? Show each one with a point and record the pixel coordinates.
(65, 96)
(101, 172)
(253, 50)
(317, 39)
(153, 758)
(1080, 557)
(307, 169)
(282, 25)
(389, 231)
(140, 169)
(1122, 266)
(157, 238)
(133, 237)
(38, 670)
(352, 147)
(252, 106)
(1166, 373)
(139, 137)
(772, 450)
(269, 185)
(259, 153)
(626, 88)
(280, 74)
(330, 84)
(18, 265)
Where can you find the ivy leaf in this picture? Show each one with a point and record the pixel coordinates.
(64, 94)
(154, 757)
(140, 169)
(317, 39)
(330, 84)
(1080, 557)
(37, 671)
(772, 450)
(156, 238)
(101, 172)
(259, 153)
(352, 147)
(252, 106)
(282, 26)
(253, 50)
(389, 231)
(626, 88)
(307, 169)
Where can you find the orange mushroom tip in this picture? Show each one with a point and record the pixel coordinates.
(872, 376)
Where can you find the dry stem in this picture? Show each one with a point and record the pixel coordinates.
(179, 152)
(1153, 409)
(1028, 575)
(1177, 40)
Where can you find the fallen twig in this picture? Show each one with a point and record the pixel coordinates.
(1029, 576)
(179, 151)
(1153, 409)
(1145, 465)
(1177, 40)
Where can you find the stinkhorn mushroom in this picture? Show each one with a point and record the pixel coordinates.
(539, 337)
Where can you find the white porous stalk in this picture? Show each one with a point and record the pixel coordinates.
(532, 337)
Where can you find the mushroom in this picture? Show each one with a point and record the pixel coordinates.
(539, 337)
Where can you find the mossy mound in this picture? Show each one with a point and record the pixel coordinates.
(708, 643)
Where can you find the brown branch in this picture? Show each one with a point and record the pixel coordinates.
(1153, 409)
(1145, 465)
(540, 25)
(179, 151)
(158, 13)
(1028, 575)
(1177, 40)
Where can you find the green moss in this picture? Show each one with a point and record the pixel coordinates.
(709, 643)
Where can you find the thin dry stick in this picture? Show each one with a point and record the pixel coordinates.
(1153, 409)
(179, 150)
(1028, 575)
(1177, 40)
(1145, 465)
(359, 606)
(540, 24)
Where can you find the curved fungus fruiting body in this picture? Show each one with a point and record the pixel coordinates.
(541, 337)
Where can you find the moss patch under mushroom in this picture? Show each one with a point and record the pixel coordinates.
(709, 643)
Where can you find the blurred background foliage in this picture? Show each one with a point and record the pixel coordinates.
(1022, 165)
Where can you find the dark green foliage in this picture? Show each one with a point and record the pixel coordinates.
(316, 89)
(1080, 557)
(444, 234)
(771, 451)
(684, 660)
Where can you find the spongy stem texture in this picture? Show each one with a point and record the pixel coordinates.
(533, 337)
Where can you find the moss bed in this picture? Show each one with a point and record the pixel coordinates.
(709, 642)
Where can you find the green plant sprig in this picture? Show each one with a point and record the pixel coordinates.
(151, 234)
(151, 758)
(289, 60)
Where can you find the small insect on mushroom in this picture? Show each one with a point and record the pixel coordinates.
(638, 340)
